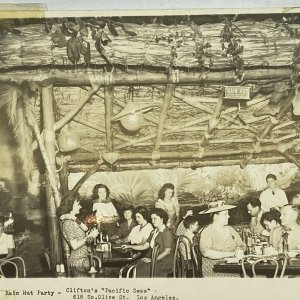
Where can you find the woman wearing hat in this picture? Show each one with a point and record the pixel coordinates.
(218, 240)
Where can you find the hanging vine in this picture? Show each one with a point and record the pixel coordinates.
(232, 48)
(74, 36)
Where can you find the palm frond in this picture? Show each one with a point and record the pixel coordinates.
(15, 100)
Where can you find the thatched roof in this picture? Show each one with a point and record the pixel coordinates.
(188, 124)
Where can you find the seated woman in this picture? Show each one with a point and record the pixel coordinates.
(218, 240)
(125, 227)
(7, 250)
(106, 212)
(290, 220)
(162, 236)
(75, 233)
(169, 203)
(140, 233)
(270, 221)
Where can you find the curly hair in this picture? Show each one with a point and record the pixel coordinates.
(143, 211)
(97, 187)
(162, 191)
(160, 213)
(66, 204)
(269, 216)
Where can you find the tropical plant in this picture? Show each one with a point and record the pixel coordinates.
(15, 98)
(74, 34)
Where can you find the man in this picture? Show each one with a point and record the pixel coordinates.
(254, 209)
(126, 227)
(272, 196)
(290, 218)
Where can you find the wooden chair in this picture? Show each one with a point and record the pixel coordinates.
(10, 261)
(258, 259)
(154, 256)
(183, 250)
(128, 271)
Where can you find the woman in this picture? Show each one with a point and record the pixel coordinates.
(161, 236)
(270, 221)
(169, 203)
(218, 240)
(140, 233)
(75, 233)
(106, 212)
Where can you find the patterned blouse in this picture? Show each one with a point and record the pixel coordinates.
(72, 231)
(212, 239)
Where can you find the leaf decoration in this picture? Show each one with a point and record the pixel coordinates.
(101, 22)
(111, 28)
(58, 39)
(64, 29)
(104, 39)
(128, 32)
(73, 27)
(101, 50)
(87, 55)
(84, 31)
(94, 32)
(73, 50)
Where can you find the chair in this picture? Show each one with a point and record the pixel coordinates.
(13, 261)
(95, 267)
(258, 260)
(197, 260)
(154, 256)
(130, 271)
(183, 250)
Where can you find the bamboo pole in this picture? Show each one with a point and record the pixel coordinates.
(90, 172)
(109, 98)
(173, 165)
(184, 155)
(122, 104)
(169, 90)
(138, 77)
(265, 132)
(98, 128)
(49, 138)
(290, 158)
(212, 124)
(70, 115)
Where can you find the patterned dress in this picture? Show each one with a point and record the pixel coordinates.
(72, 231)
(212, 239)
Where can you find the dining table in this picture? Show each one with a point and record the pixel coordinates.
(266, 268)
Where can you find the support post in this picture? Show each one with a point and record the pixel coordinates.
(49, 138)
(109, 97)
(163, 115)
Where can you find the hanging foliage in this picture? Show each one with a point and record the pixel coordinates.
(78, 32)
(15, 98)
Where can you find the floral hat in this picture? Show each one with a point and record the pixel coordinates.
(217, 206)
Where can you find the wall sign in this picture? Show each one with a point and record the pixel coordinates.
(237, 92)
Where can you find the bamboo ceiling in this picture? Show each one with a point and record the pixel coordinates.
(179, 70)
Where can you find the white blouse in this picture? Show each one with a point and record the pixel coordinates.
(105, 209)
(139, 235)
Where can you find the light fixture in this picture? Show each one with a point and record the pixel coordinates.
(131, 117)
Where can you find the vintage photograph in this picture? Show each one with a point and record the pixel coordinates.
(151, 146)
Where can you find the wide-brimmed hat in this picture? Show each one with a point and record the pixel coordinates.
(217, 206)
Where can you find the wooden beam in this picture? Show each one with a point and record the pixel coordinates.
(70, 115)
(169, 90)
(53, 200)
(109, 98)
(266, 131)
(185, 155)
(289, 157)
(141, 77)
(174, 165)
(90, 172)
(212, 124)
